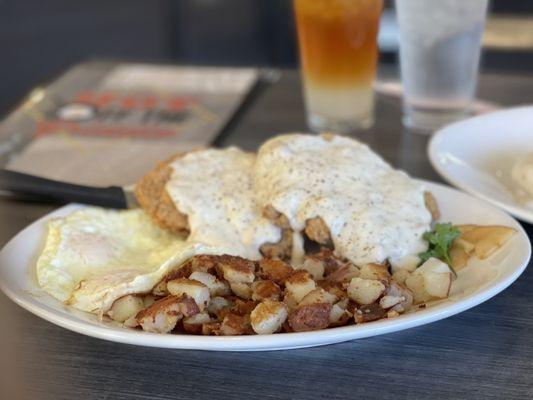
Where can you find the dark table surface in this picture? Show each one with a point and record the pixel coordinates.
(483, 353)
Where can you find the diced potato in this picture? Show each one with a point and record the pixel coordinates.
(432, 280)
(126, 307)
(310, 317)
(317, 296)
(339, 315)
(238, 272)
(265, 290)
(388, 301)
(243, 307)
(298, 285)
(235, 325)
(400, 275)
(417, 285)
(194, 324)
(211, 328)
(374, 271)
(438, 284)
(314, 266)
(268, 317)
(344, 274)
(275, 270)
(216, 304)
(336, 289)
(216, 286)
(433, 265)
(368, 313)
(392, 314)
(487, 239)
(163, 315)
(408, 263)
(243, 290)
(396, 289)
(365, 291)
(192, 288)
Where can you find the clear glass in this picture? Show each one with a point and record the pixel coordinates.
(440, 44)
(338, 51)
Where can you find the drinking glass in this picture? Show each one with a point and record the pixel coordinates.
(338, 51)
(440, 44)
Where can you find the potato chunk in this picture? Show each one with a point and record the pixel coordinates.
(194, 289)
(432, 280)
(237, 270)
(243, 290)
(268, 317)
(365, 291)
(314, 266)
(275, 270)
(265, 290)
(318, 296)
(216, 286)
(298, 285)
(343, 274)
(339, 315)
(163, 315)
(233, 324)
(126, 307)
(195, 323)
(217, 304)
(375, 271)
(397, 290)
(310, 317)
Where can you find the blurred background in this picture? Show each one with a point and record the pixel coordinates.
(41, 38)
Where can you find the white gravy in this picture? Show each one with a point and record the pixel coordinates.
(214, 188)
(373, 212)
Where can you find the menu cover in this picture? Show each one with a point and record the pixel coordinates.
(105, 123)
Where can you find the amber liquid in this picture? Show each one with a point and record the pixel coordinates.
(338, 39)
(338, 51)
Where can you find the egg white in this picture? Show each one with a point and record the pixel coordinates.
(94, 256)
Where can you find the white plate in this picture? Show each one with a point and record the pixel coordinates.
(477, 155)
(475, 284)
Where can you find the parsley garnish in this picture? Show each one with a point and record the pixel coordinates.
(440, 239)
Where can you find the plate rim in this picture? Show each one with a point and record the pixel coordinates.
(264, 342)
(432, 152)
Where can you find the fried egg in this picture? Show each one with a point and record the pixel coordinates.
(94, 256)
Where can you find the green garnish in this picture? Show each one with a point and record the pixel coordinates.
(440, 239)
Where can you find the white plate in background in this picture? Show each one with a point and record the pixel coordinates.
(477, 155)
(478, 282)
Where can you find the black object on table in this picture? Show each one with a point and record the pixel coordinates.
(483, 353)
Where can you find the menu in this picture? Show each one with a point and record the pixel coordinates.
(105, 123)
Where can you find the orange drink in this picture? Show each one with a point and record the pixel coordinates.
(338, 51)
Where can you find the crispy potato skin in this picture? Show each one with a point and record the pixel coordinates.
(275, 270)
(310, 317)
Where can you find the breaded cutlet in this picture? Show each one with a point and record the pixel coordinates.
(153, 198)
(155, 201)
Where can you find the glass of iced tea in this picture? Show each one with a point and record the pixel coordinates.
(338, 51)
